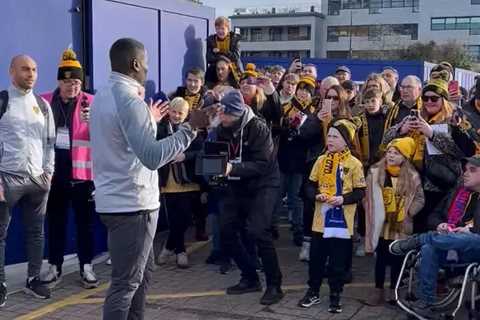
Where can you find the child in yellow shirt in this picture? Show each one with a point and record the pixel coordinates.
(337, 182)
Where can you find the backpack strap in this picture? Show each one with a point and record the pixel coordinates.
(44, 109)
(3, 102)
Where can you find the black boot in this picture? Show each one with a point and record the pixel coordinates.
(272, 295)
(245, 286)
(335, 305)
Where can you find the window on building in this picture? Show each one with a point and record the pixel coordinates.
(256, 34)
(354, 4)
(278, 53)
(334, 7)
(438, 24)
(372, 32)
(475, 26)
(298, 33)
(462, 24)
(450, 23)
(275, 33)
(474, 52)
(244, 34)
(457, 23)
(475, 1)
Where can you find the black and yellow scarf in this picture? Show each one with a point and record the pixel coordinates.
(223, 45)
(193, 100)
(328, 172)
(394, 203)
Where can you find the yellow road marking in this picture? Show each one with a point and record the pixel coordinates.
(62, 303)
(78, 298)
(82, 297)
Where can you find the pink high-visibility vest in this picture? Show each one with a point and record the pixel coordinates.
(80, 147)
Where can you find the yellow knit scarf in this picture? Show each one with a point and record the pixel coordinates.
(193, 100)
(223, 45)
(394, 203)
(328, 172)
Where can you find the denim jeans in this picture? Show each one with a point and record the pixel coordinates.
(435, 247)
(292, 184)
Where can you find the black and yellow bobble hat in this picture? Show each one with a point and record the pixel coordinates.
(250, 71)
(308, 83)
(347, 129)
(439, 86)
(69, 67)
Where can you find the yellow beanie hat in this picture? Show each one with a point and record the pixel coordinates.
(250, 71)
(69, 67)
(406, 146)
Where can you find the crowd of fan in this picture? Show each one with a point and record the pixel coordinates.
(389, 164)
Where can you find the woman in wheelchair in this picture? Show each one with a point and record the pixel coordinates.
(457, 224)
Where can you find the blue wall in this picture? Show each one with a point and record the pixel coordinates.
(173, 32)
(360, 68)
(42, 29)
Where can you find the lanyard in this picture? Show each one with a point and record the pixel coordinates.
(235, 148)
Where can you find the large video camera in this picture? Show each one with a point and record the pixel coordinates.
(212, 162)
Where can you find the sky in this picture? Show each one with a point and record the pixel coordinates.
(225, 7)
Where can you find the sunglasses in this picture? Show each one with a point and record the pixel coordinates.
(332, 98)
(431, 98)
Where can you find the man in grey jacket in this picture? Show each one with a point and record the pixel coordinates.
(27, 133)
(126, 156)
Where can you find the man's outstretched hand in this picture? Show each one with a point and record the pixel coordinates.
(159, 109)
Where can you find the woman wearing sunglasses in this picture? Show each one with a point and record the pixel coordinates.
(437, 155)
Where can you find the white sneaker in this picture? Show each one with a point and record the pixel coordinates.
(163, 257)
(360, 252)
(89, 279)
(304, 252)
(52, 277)
(182, 260)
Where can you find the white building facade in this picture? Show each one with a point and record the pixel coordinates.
(359, 28)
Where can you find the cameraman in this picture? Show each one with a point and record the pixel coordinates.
(252, 185)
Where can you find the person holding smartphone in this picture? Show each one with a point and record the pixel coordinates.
(437, 156)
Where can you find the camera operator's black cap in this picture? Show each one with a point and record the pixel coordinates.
(474, 160)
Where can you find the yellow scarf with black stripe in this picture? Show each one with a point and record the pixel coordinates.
(394, 203)
(193, 100)
(328, 172)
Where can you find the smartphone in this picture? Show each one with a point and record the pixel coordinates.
(414, 114)
(454, 88)
(327, 106)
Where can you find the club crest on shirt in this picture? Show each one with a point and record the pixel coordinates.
(36, 109)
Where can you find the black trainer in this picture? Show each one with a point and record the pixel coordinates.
(3, 295)
(272, 295)
(402, 247)
(335, 305)
(37, 288)
(245, 286)
(311, 298)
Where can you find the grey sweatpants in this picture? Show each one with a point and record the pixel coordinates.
(31, 195)
(130, 243)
